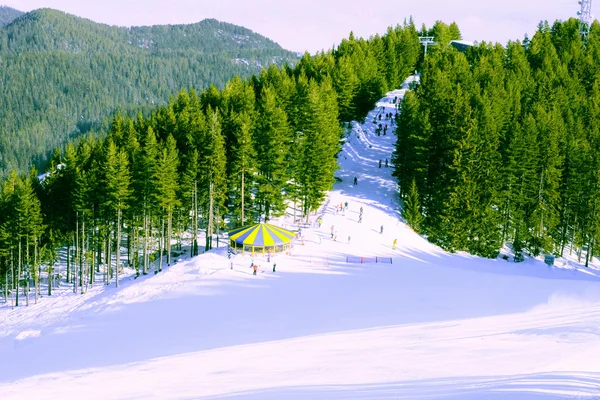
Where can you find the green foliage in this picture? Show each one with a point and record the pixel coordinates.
(68, 75)
(192, 161)
(502, 143)
(7, 15)
(412, 209)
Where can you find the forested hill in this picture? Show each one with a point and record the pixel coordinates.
(7, 15)
(61, 75)
(502, 145)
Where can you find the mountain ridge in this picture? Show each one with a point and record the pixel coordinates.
(8, 14)
(62, 76)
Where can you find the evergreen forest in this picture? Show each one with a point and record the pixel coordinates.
(501, 145)
(207, 160)
(7, 15)
(62, 76)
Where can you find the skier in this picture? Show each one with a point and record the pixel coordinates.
(320, 221)
(332, 231)
(379, 163)
(361, 210)
(360, 218)
(381, 230)
(355, 181)
(255, 268)
(394, 244)
(349, 239)
(345, 205)
(274, 265)
(386, 162)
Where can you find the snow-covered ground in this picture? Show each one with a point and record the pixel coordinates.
(324, 326)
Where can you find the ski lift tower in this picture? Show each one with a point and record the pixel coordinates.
(585, 17)
(427, 41)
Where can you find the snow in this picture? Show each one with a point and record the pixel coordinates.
(429, 325)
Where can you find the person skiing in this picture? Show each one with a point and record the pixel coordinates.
(379, 163)
(386, 162)
(361, 210)
(381, 230)
(355, 181)
(320, 221)
(346, 205)
(349, 239)
(394, 244)
(274, 265)
(332, 231)
(360, 218)
(255, 269)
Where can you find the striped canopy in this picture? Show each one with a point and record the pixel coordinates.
(261, 235)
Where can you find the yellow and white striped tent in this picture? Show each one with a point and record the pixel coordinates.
(261, 238)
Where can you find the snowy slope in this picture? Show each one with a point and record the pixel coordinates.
(428, 325)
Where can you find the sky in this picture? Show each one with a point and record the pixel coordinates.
(314, 25)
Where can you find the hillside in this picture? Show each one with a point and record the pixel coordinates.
(330, 323)
(7, 15)
(61, 75)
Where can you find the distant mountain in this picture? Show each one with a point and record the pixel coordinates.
(61, 75)
(7, 15)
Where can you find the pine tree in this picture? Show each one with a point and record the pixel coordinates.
(411, 211)
(271, 141)
(117, 180)
(165, 181)
(212, 179)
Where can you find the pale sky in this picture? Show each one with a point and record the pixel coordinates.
(319, 24)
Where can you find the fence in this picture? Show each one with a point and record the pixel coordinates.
(368, 260)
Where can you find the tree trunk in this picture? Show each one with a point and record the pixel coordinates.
(82, 258)
(36, 267)
(50, 278)
(209, 228)
(109, 260)
(169, 233)
(68, 262)
(194, 246)
(77, 254)
(18, 275)
(118, 245)
(242, 222)
(145, 249)
(161, 242)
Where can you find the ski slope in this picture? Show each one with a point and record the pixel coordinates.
(428, 325)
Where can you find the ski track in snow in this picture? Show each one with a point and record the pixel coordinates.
(430, 325)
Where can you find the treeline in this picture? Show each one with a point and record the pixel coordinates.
(502, 145)
(207, 161)
(62, 77)
(7, 15)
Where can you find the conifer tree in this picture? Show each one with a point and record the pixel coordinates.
(411, 211)
(212, 179)
(165, 192)
(271, 141)
(117, 180)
